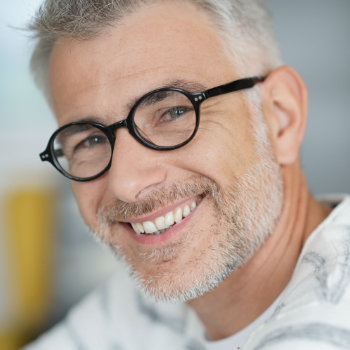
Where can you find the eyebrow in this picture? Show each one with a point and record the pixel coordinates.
(190, 86)
(187, 85)
(92, 119)
(73, 130)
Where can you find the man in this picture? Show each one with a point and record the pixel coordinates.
(180, 131)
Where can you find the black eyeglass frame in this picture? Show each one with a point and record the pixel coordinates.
(110, 131)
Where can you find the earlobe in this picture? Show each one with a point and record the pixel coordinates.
(284, 103)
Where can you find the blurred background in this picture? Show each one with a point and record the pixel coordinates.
(48, 260)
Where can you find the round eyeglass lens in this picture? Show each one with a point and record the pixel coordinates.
(165, 118)
(82, 150)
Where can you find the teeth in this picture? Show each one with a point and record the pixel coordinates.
(169, 219)
(178, 215)
(186, 211)
(136, 228)
(149, 227)
(140, 228)
(162, 223)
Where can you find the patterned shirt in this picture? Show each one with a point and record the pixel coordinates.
(312, 313)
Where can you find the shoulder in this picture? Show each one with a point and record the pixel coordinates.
(86, 324)
(112, 316)
(314, 309)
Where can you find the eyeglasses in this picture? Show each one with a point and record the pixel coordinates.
(163, 119)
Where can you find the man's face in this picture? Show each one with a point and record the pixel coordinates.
(224, 182)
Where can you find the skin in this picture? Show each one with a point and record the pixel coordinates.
(100, 77)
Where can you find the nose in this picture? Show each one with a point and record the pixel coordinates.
(135, 170)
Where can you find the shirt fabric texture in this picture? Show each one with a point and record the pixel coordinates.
(312, 312)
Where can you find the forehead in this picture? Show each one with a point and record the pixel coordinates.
(159, 43)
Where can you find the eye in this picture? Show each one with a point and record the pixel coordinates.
(174, 113)
(91, 142)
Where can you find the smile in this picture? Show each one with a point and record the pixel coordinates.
(163, 223)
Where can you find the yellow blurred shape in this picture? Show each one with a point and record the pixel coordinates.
(30, 217)
(10, 341)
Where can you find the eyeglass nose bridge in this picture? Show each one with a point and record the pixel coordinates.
(115, 126)
(126, 123)
(111, 129)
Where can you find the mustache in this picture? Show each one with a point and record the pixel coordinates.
(197, 185)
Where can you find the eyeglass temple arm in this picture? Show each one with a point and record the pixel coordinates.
(46, 156)
(237, 85)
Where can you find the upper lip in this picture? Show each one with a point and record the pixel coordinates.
(161, 211)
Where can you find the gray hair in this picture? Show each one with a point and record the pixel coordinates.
(245, 27)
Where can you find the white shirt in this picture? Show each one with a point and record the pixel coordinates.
(312, 313)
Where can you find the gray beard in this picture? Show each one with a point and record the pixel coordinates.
(247, 213)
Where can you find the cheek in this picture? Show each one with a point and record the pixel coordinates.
(89, 197)
(222, 151)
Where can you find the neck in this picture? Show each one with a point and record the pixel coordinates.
(249, 291)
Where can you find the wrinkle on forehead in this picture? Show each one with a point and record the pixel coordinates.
(189, 86)
(106, 74)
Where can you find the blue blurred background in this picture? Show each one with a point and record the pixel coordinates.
(44, 271)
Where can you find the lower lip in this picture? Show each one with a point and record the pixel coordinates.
(163, 237)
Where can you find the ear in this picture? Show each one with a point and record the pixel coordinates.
(284, 104)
